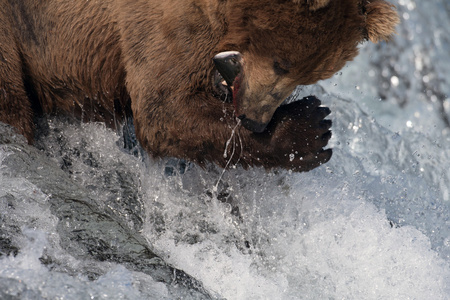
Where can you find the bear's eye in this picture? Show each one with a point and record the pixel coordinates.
(281, 68)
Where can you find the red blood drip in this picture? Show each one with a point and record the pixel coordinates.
(236, 87)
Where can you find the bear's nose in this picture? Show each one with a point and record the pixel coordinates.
(252, 125)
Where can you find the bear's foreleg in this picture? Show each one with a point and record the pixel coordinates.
(203, 129)
(15, 106)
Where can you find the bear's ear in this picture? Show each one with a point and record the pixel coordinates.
(314, 4)
(381, 19)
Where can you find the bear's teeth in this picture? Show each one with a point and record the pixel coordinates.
(225, 84)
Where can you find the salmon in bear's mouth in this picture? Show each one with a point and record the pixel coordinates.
(229, 75)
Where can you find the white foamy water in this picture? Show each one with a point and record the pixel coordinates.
(373, 223)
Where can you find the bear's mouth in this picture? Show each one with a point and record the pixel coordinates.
(221, 88)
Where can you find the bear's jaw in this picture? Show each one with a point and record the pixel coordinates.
(227, 94)
(229, 77)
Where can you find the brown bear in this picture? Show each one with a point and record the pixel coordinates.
(204, 80)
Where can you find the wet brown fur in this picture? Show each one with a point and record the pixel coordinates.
(98, 59)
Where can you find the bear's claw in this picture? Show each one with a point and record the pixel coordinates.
(297, 135)
(325, 124)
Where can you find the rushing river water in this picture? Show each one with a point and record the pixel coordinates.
(81, 218)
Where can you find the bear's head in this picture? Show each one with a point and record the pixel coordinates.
(272, 46)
